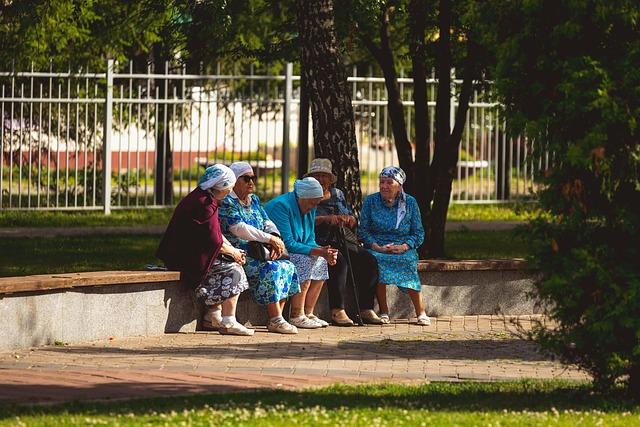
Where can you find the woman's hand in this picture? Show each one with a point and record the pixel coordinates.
(239, 256)
(326, 252)
(383, 249)
(277, 247)
(398, 249)
(347, 221)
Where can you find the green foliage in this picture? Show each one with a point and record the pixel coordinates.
(569, 74)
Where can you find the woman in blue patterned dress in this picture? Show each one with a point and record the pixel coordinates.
(391, 229)
(243, 219)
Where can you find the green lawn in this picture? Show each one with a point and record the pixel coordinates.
(523, 403)
(13, 218)
(22, 256)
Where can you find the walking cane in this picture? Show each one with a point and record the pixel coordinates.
(345, 248)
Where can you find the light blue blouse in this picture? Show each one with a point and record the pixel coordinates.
(297, 230)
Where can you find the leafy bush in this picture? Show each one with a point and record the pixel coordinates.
(569, 73)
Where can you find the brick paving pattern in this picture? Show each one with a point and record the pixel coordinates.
(458, 348)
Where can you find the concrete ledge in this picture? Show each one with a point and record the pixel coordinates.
(74, 307)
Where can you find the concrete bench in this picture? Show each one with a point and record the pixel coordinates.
(74, 307)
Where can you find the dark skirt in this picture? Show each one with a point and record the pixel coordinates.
(224, 280)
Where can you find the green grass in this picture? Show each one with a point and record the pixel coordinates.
(13, 218)
(522, 403)
(491, 212)
(469, 244)
(24, 256)
(84, 218)
(74, 254)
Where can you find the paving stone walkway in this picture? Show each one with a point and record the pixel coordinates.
(482, 348)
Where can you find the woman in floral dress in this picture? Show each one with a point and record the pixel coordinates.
(243, 219)
(194, 245)
(391, 229)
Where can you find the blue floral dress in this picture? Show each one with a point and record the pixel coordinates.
(269, 281)
(384, 225)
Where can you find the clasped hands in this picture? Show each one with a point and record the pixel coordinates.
(390, 248)
(277, 247)
(326, 252)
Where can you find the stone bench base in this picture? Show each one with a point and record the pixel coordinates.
(40, 310)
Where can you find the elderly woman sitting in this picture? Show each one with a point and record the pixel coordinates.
(243, 219)
(391, 228)
(333, 214)
(294, 215)
(193, 244)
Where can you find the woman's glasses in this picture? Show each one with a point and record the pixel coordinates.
(247, 178)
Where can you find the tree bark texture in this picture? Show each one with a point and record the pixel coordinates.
(163, 182)
(417, 49)
(333, 120)
(447, 144)
(384, 56)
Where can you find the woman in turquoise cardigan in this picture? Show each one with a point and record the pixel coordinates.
(294, 215)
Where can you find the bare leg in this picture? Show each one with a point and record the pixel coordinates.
(416, 299)
(312, 296)
(274, 310)
(297, 301)
(212, 308)
(381, 295)
(229, 306)
(282, 304)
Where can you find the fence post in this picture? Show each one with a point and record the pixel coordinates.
(452, 101)
(288, 90)
(106, 145)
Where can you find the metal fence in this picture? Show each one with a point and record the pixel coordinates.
(143, 137)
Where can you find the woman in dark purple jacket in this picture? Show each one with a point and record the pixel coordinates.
(194, 245)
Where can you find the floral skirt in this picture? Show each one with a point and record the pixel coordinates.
(271, 281)
(310, 267)
(224, 280)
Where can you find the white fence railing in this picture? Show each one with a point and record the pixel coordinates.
(143, 138)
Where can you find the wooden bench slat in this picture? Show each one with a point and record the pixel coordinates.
(40, 282)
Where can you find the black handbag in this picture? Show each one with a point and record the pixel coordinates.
(262, 251)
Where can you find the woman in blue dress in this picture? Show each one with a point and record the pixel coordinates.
(243, 219)
(391, 229)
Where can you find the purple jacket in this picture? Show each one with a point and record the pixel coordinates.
(193, 237)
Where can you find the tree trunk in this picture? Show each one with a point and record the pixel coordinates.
(444, 166)
(384, 57)
(163, 182)
(333, 120)
(417, 22)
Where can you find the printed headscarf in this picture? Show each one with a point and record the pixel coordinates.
(308, 188)
(394, 173)
(218, 177)
(400, 177)
(241, 168)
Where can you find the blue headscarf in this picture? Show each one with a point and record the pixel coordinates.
(400, 177)
(308, 188)
(218, 177)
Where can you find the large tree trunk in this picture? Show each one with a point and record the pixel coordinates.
(417, 30)
(333, 121)
(444, 166)
(384, 56)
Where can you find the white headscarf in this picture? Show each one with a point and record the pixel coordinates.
(241, 168)
(218, 177)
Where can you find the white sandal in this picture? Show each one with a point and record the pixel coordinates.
(384, 317)
(423, 320)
